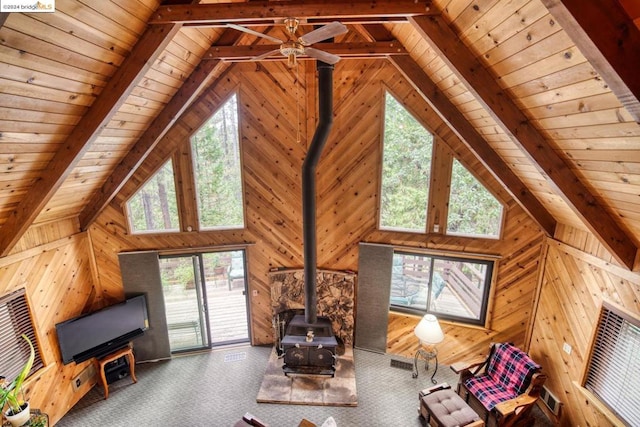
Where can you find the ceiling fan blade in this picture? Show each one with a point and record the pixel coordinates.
(326, 32)
(323, 56)
(255, 33)
(265, 55)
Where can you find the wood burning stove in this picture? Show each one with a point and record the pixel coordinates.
(309, 344)
(309, 348)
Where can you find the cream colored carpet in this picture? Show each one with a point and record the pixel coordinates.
(310, 390)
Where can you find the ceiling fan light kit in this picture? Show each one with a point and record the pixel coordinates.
(292, 48)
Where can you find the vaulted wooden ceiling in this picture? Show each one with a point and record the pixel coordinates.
(544, 92)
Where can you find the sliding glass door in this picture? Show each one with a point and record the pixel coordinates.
(205, 299)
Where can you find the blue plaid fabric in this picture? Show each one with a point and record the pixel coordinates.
(507, 376)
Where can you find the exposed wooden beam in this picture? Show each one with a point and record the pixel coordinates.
(344, 50)
(113, 95)
(310, 21)
(607, 36)
(514, 123)
(254, 11)
(3, 18)
(199, 78)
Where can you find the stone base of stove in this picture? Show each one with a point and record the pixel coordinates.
(339, 390)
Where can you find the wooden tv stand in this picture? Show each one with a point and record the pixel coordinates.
(101, 363)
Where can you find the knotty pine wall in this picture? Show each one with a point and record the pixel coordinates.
(347, 191)
(53, 263)
(578, 275)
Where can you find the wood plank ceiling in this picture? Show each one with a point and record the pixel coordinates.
(544, 92)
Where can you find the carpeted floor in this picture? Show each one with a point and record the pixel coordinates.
(217, 388)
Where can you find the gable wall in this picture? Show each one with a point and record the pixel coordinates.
(347, 191)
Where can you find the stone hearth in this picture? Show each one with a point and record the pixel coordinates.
(308, 389)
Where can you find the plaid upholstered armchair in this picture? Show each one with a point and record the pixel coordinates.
(503, 388)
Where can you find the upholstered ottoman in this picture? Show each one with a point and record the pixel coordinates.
(442, 407)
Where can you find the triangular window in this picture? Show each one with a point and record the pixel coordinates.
(473, 210)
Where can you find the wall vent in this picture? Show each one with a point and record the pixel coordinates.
(402, 365)
(550, 400)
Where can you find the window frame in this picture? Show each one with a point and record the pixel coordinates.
(487, 293)
(607, 311)
(16, 311)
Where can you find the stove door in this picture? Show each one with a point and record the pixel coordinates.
(296, 356)
(322, 357)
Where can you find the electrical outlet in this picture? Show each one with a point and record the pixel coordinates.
(567, 348)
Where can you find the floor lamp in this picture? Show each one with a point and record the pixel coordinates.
(429, 333)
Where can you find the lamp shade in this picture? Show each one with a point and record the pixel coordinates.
(428, 330)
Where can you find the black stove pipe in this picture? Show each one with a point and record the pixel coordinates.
(325, 121)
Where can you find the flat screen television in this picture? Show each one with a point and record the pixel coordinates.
(102, 332)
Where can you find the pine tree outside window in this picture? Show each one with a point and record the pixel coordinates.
(215, 149)
(154, 208)
(473, 210)
(406, 170)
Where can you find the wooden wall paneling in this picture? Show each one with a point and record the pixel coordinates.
(549, 65)
(123, 33)
(125, 78)
(63, 38)
(45, 233)
(473, 13)
(496, 21)
(542, 39)
(56, 272)
(348, 171)
(348, 191)
(578, 72)
(309, 102)
(573, 286)
(604, 31)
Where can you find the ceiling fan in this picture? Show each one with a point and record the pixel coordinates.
(294, 47)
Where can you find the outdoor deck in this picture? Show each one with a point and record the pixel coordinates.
(227, 314)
